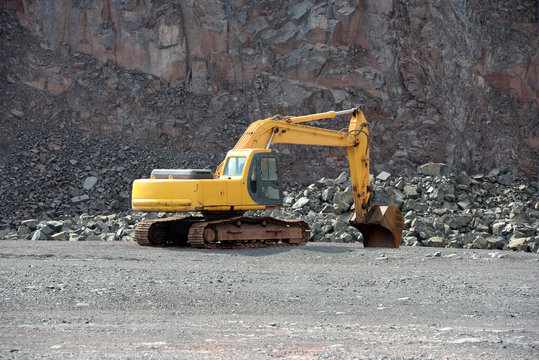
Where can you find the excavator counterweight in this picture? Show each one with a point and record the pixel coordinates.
(249, 179)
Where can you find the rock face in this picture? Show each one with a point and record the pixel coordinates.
(466, 71)
(440, 81)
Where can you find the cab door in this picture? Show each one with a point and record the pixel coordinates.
(264, 182)
(234, 179)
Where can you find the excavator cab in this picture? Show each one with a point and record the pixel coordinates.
(260, 173)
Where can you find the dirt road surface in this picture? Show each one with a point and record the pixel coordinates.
(100, 300)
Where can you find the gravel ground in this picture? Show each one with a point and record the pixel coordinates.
(99, 300)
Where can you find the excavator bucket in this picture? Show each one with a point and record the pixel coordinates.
(382, 226)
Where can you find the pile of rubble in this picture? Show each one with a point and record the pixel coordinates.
(441, 208)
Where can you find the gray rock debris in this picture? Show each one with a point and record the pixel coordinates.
(89, 182)
(441, 208)
(383, 176)
(115, 227)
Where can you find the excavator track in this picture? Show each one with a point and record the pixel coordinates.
(230, 233)
(171, 231)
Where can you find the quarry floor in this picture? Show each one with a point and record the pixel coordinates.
(117, 300)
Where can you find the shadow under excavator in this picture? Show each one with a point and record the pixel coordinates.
(268, 251)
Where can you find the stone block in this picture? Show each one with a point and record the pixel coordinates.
(74, 237)
(55, 225)
(38, 235)
(89, 182)
(383, 176)
(434, 169)
(435, 241)
(410, 191)
(342, 178)
(78, 199)
(463, 178)
(60, 236)
(301, 203)
(409, 240)
(22, 231)
(464, 220)
(32, 223)
(46, 230)
(496, 242)
(517, 244)
(479, 243)
(339, 226)
(345, 237)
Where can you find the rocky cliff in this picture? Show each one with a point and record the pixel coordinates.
(442, 80)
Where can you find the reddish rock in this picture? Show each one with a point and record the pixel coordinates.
(451, 81)
(520, 79)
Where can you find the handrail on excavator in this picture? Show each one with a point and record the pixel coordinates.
(324, 115)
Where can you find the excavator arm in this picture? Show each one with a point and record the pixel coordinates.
(381, 226)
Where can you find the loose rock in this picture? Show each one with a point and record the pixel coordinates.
(445, 210)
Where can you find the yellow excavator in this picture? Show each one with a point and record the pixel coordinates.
(249, 179)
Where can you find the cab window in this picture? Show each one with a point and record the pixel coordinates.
(268, 169)
(234, 166)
